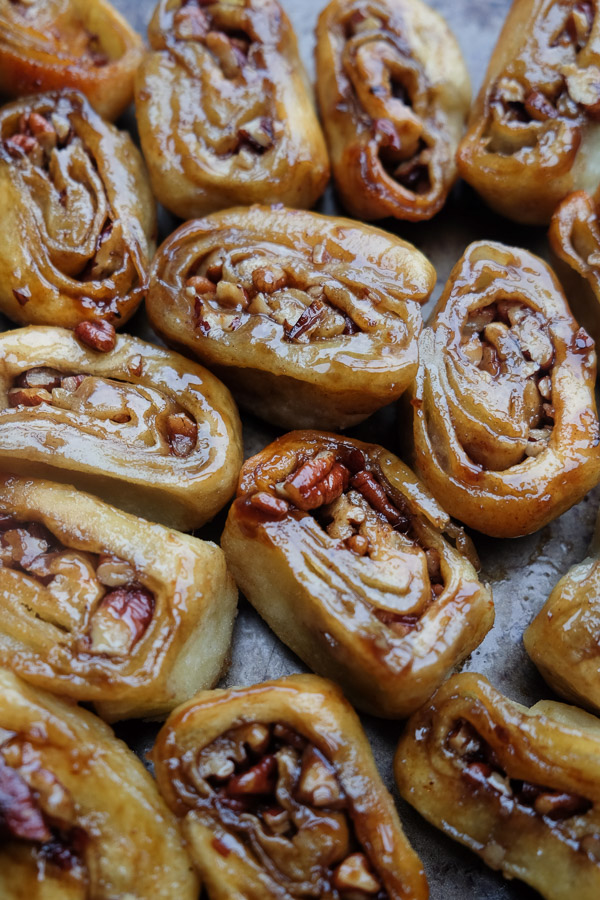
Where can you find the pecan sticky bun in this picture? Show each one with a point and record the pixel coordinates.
(394, 94)
(79, 815)
(77, 217)
(279, 796)
(575, 240)
(520, 787)
(563, 640)
(106, 608)
(347, 558)
(505, 427)
(224, 108)
(145, 429)
(312, 321)
(535, 126)
(87, 45)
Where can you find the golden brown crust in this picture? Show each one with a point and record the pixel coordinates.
(505, 427)
(80, 816)
(106, 608)
(311, 320)
(224, 109)
(299, 742)
(344, 554)
(48, 45)
(146, 429)
(77, 217)
(534, 130)
(394, 95)
(520, 787)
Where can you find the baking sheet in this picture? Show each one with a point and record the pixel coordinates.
(522, 571)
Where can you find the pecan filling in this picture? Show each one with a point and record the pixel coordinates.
(36, 808)
(234, 57)
(389, 85)
(97, 598)
(134, 413)
(482, 771)
(282, 799)
(512, 343)
(521, 108)
(227, 288)
(360, 513)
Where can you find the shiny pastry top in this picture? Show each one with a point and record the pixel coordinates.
(394, 94)
(77, 216)
(311, 320)
(224, 108)
(82, 44)
(534, 129)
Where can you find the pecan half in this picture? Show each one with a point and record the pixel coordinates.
(100, 336)
(366, 484)
(20, 816)
(274, 507)
(317, 482)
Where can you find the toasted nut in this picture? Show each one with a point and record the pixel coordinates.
(317, 482)
(114, 572)
(216, 766)
(307, 320)
(72, 382)
(354, 874)
(23, 143)
(28, 397)
(232, 295)
(318, 785)
(40, 377)
(256, 737)
(269, 280)
(276, 819)
(545, 387)
(260, 779)
(198, 284)
(500, 783)
(182, 434)
(477, 773)
(373, 492)
(358, 543)
(21, 816)
(190, 24)
(258, 133)
(463, 740)
(559, 805)
(272, 506)
(100, 336)
(121, 619)
(473, 350)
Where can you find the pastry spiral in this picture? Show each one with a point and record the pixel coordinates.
(224, 109)
(87, 45)
(520, 787)
(534, 130)
(77, 217)
(311, 320)
(79, 815)
(106, 608)
(394, 95)
(505, 428)
(279, 796)
(143, 428)
(343, 553)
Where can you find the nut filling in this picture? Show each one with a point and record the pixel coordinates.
(131, 412)
(278, 794)
(95, 597)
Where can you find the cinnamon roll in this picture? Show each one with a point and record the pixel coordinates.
(278, 796)
(312, 321)
(505, 429)
(351, 562)
(143, 428)
(77, 217)
(224, 108)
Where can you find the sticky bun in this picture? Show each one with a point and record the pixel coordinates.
(106, 608)
(279, 796)
(351, 562)
(534, 130)
(82, 44)
(312, 321)
(505, 427)
(79, 815)
(224, 108)
(394, 95)
(520, 787)
(77, 217)
(143, 428)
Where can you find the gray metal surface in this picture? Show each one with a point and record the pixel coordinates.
(522, 571)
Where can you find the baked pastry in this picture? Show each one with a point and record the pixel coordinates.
(575, 239)
(106, 608)
(533, 130)
(77, 217)
(143, 428)
(46, 45)
(520, 787)
(343, 552)
(224, 108)
(505, 427)
(79, 815)
(279, 796)
(311, 320)
(563, 639)
(394, 95)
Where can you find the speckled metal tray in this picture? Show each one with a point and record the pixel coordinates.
(522, 571)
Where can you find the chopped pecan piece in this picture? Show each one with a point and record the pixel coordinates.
(371, 489)
(40, 377)
(121, 619)
(20, 816)
(182, 434)
(114, 572)
(274, 507)
(560, 805)
(318, 785)
(354, 874)
(100, 336)
(28, 396)
(260, 779)
(269, 280)
(308, 320)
